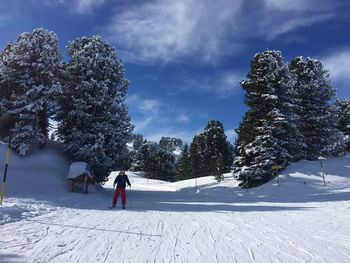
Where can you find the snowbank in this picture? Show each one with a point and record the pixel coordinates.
(43, 172)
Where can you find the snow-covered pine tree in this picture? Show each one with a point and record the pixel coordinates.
(157, 163)
(315, 101)
(199, 156)
(210, 152)
(5, 121)
(137, 141)
(343, 121)
(343, 115)
(145, 156)
(93, 119)
(29, 70)
(219, 150)
(164, 164)
(183, 168)
(266, 132)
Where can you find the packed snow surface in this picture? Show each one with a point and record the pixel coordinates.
(297, 220)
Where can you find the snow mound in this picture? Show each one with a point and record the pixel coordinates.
(79, 168)
(42, 173)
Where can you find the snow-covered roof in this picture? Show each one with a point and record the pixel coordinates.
(76, 169)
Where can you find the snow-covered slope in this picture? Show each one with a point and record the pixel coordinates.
(298, 220)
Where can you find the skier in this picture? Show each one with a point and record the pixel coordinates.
(121, 180)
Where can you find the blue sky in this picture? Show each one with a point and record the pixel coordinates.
(185, 58)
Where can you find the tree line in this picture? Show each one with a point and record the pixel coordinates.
(293, 113)
(208, 154)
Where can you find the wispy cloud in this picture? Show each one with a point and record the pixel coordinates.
(283, 16)
(222, 84)
(86, 7)
(164, 30)
(287, 5)
(293, 24)
(150, 106)
(156, 119)
(229, 82)
(338, 65)
(205, 31)
(183, 118)
(80, 7)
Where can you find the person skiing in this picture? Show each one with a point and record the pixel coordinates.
(121, 180)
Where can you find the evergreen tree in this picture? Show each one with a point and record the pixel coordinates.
(145, 157)
(155, 162)
(199, 156)
(28, 81)
(210, 152)
(164, 164)
(138, 140)
(93, 119)
(219, 150)
(317, 117)
(266, 134)
(183, 169)
(343, 120)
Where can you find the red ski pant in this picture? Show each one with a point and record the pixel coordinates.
(116, 195)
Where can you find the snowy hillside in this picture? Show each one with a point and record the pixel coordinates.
(298, 220)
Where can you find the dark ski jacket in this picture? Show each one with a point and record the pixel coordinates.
(121, 181)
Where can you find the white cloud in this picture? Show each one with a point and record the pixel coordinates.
(231, 135)
(230, 82)
(222, 84)
(183, 118)
(155, 119)
(80, 7)
(163, 30)
(338, 65)
(293, 24)
(287, 5)
(283, 16)
(150, 106)
(206, 31)
(144, 106)
(142, 123)
(84, 7)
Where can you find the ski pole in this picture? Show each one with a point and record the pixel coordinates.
(5, 172)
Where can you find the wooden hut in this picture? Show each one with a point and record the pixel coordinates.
(80, 172)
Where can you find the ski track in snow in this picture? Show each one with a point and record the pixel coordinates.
(219, 223)
(89, 235)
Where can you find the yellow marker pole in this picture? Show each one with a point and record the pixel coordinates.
(5, 172)
(276, 168)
